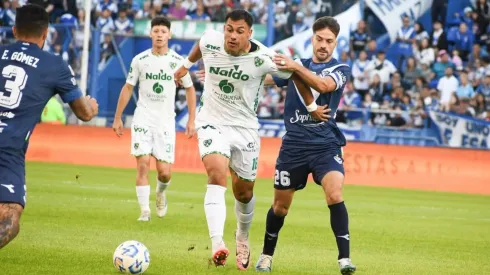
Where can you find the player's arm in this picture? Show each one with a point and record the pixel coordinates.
(190, 96)
(323, 85)
(125, 96)
(192, 58)
(85, 108)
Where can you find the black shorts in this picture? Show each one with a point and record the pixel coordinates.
(293, 166)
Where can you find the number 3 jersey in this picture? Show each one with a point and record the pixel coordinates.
(155, 74)
(233, 84)
(30, 77)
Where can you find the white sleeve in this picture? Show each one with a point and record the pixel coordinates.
(187, 81)
(134, 72)
(271, 67)
(210, 37)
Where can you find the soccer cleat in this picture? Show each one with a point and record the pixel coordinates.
(264, 264)
(145, 216)
(161, 204)
(346, 266)
(220, 256)
(242, 254)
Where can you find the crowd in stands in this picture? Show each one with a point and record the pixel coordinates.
(446, 69)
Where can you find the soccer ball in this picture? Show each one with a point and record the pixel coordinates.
(131, 257)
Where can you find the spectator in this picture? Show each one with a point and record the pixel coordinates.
(484, 87)
(177, 11)
(57, 50)
(105, 23)
(438, 11)
(424, 53)
(464, 41)
(381, 66)
(418, 114)
(457, 61)
(447, 86)
(477, 53)
(280, 21)
(482, 9)
(360, 75)
(310, 9)
(199, 14)
(107, 50)
(465, 90)
(123, 25)
(427, 73)
(9, 13)
(420, 33)
(181, 102)
(480, 106)
(377, 89)
(106, 5)
(411, 72)
(405, 38)
(299, 26)
(371, 49)
(396, 119)
(191, 6)
(51, 39)
(132, 8)
(438, 37)
(442, 64)
(359, 39)
(145, 12)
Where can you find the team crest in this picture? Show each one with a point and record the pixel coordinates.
(173, 65)
(136, 146)
(258, 61)
(207, 142)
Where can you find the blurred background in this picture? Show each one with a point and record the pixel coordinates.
(420, 68)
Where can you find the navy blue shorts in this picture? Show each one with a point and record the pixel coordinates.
(12, 179)
(294, 165)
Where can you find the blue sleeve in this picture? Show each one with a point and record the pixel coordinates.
(280, 82)
(66, 86)
(341, 75)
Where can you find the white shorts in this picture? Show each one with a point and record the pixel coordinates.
(158, 142)
(240, 145)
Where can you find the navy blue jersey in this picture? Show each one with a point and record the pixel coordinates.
(302, 131)
(30, 77)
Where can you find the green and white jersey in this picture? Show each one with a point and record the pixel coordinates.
(233, 84)
(155, 75)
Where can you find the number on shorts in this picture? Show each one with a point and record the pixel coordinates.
(282, 178)
(255, 164)
(16, 81)
(169, 148)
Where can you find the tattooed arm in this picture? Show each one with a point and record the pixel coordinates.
(9, 222)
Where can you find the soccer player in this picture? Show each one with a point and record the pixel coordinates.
(153, 125)
(311, 146)
(30, 77)
(227, 125)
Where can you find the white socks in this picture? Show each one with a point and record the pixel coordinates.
(244, 215)
(143, 194)
(162, 186)
(215, 209)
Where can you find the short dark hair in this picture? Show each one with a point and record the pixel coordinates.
(327, 22)
(160, 21)
(31, 20)
(240, 14)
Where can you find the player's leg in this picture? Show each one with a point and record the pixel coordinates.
(9, 221)
(215, 152)
(164, 153)
(245, 148)
(329, 172)
(141, 148)
(287, 180)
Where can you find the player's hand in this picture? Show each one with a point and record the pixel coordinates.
(117, 126)
(93, 105)
(180, 73)
(190, 129)
(322, 113)
(201, 74)
(283, 62)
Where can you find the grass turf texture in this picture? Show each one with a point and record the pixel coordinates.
(73, 227)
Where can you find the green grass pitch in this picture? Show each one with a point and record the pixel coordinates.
(73, 227)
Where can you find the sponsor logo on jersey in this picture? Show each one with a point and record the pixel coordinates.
(301, 118)
(157, 88)
(233, 73)
(158, 76)
(140, 129)
(212, 47)
(226, 87)
(144, 56)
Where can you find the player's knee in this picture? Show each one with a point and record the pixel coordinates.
(143, 168)
(334, 197)
(244, 196)
(164, 176)
(280, 210)
(9, 222)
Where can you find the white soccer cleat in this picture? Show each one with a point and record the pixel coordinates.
(242, 254)
(145, 216)
(346, 266)
(161, 204)
(264, 264)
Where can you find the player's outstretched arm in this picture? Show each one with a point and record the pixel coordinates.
(124, 97)
(321, 113)
(85, 108)
(322, 85)
(193, 57)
